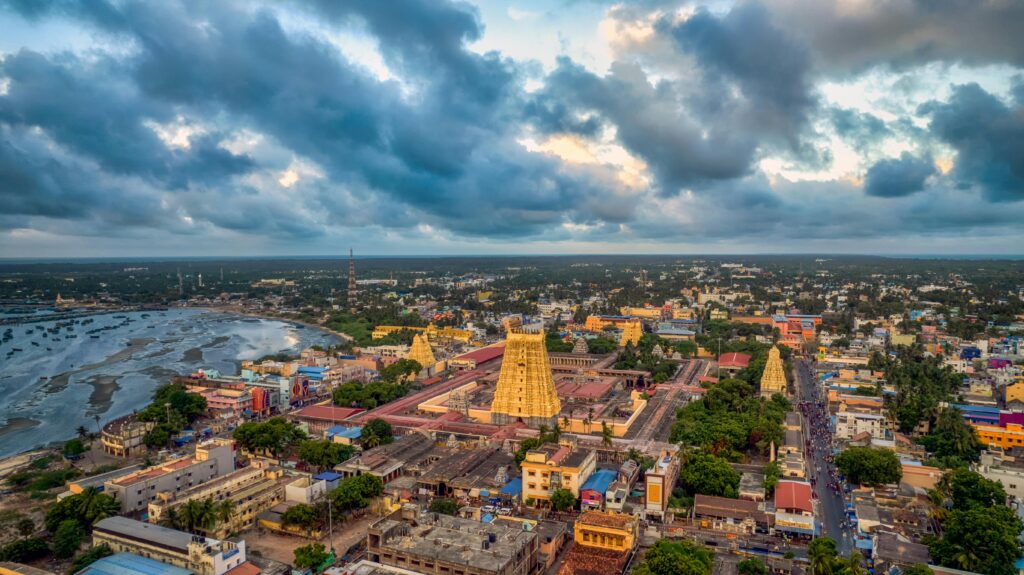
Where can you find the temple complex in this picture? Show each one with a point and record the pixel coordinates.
(631, 333)
(774, 378)
(420, 351)
(526, 388)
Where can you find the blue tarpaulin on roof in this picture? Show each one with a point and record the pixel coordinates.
(600, 480)
(513, 488)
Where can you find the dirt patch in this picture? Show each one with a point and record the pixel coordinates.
(58, 382)
(193, 355)
(103, 389)
(17, 424)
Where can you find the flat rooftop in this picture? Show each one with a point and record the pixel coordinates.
(150, 533)
(454, 540)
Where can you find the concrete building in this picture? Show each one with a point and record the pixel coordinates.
(125, 436)
(200, 555)
(850, 424)
(658, 484)
(1010, 473)
(251, 490)
(607, 531)
(553, 466)
(136, 490)
(436, 544)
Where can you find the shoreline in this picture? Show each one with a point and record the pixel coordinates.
(100, 388)
(235, 311)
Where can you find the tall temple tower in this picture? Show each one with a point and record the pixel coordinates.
(351, 282)
(420, 351)
(631, 333)
(526, 389)
(774, 378)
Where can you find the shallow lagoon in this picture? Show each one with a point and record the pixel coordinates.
(88, 376)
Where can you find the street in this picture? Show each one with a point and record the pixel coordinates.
(831, 508)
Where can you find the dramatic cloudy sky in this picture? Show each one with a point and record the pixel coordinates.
(175, 127)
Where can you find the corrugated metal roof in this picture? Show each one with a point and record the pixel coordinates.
(131, 564)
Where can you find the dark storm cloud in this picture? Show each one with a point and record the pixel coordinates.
(435, 151)
(651, 122)
(449, 153)
(896, 177)
(861, 129)
(988, 137)
(770, 67)
(849, 37)
(90, 109)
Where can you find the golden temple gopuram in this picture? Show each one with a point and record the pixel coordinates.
(631, 333)
(420, 351)
(774, 378)
(526, 388)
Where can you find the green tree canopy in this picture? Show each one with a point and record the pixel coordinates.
(377, 432)
(444, 505)
(870, 466)
(311, 556)
(86, 508)
(562, 500)
(952, 441)
(752, 567)
(68, 539)
(978, 539)
(356, 492)
(966, 489)
(324, 454)
(822, 556)
(709, 475)
(675, 558)
(90, 556)
(23, 550)
(301, 515)
(74, 448)
(272, 436)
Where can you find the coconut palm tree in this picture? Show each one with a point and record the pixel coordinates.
(171, 519)
(223, 511)
(854, 565)
(822, 554)
(83, 434)
(95, 505)
(606, 434)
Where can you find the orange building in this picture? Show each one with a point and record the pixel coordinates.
(1006, 437)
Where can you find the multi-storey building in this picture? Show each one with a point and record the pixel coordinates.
(851, 424)
(658, 484)
(553, 466)
(125, 436)
(436, 544)
(251, 491)
(198, 554)
(612, 531)
(136, 490)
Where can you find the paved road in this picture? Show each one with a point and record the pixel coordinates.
(831, 508)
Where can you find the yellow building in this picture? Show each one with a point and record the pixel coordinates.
(552, 466)
(420, 351)
(644, 312)
(1006, 437)
(596, 323)
(432, 332)
(719, 314)
(1015, 394)
(526, 389)
(631, 333)
(282, 368)
(612, 531)
(774, 378)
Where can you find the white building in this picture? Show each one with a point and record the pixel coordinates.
(850, 424)
(136, 490)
